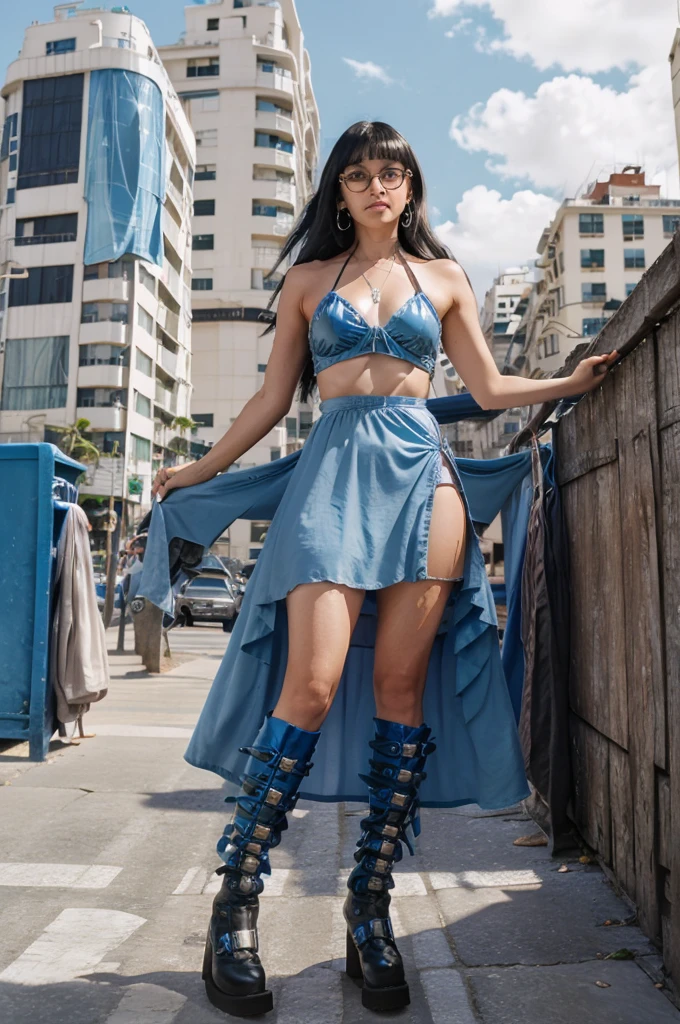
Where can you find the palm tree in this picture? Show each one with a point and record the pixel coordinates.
(75, 444)
(180, 445)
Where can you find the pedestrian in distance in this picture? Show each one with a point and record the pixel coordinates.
(372, 534)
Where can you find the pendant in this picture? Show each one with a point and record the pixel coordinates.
(375, 294)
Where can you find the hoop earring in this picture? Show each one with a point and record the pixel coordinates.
(337, 219)
(407, 215)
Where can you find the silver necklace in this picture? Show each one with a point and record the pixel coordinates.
(375, 292)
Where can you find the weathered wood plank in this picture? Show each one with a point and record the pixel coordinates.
(670, 548)
(621, 815)
(663, 805)
(598, 661)
(588, 435)
(644, 663)
(590, 765)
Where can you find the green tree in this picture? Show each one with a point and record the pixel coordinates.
(74, 443)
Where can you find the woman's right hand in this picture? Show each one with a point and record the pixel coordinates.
(169, 477)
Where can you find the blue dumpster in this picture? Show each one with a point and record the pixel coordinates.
(36, 483)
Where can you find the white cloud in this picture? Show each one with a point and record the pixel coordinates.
(367, 69)
(585, 35)
(491, 233)
(572, 130)
(459, 26)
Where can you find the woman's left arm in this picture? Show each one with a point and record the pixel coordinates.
(467, 349)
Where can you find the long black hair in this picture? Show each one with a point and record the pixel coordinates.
(316, 233)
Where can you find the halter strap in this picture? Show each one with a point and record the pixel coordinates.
(342, 268)
(411, 276)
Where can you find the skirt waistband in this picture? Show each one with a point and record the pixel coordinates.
(370, 402)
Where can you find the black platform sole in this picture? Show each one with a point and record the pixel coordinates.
(237, 1006)
(377, 999)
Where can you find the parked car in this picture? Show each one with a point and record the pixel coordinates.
(207, 598)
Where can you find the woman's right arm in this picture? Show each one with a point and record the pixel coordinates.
(268, 405)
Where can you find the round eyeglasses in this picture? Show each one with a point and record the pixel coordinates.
(390, 177)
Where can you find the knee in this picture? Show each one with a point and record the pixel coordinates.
(399, 691)
(310, 701)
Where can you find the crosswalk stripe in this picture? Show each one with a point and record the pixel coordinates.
(482, 879)
(148, 732)
(186, 884)
(405, 884)
(58, 876)
(75, 942)
(147, 1004)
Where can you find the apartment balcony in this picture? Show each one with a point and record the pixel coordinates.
(173, 233)
(277, 227)
(168, 320)
(167, 359)
(175, 195)
(104, 331)
(103, 417)
(105, 289)
(270, 120)
(276, 81)
(166, 399)
(272, 188)
(263, 156)
(172, 280)
(265, 256)
(103, 375)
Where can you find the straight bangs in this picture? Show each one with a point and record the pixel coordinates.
(378, 141)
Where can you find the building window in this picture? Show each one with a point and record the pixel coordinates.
(551, 345)
(207, 137)
(633, 225)
(143, 363)
(10, 134)
(512, 428)
(203, 419)
(202, 241)
(591, 223)
(213, 24)
(261, 367)
(269, 66)
(305, 423)
(204, 207)
(634, 259)
(43, 285)
(50, 131)
(274, 454)
(258, 531)
(103, 355)
(258, 281)
(62, 227)
(145, 320)
(671, 225)
(593, 293)
(592, 325)
(35, 373)
(147, 279)
(630, 285)
(100, 398)
(10, 196)
(106, 439)
(201, 284)
(501, 305)
(205, 172)
(203, 67)
(500, 326)
(60, 46)
(142, 404)
(291, 428)
(592, 258)
(100, 312)
(270, 141)
(141, 448)
(561, 260)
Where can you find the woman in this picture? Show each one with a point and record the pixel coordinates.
(374, 508)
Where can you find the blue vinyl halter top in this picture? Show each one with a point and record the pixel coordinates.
(338, 331)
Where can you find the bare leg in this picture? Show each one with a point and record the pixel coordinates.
(321, 617)
(409, 615)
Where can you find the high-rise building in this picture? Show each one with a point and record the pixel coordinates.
(498, 316)
(243, 73)
(96, 169)
(592, 255)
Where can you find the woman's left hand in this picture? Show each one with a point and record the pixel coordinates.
(590, 372)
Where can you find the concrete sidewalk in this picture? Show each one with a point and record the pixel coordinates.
(106, 884)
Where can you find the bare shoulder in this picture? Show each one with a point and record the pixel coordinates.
(443, 280)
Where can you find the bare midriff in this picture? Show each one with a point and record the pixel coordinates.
(373, 374)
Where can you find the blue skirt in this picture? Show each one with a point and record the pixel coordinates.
(356, 510)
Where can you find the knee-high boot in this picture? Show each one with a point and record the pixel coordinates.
(396, 771)
(279, 760)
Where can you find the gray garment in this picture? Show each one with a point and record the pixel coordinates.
(79, 667)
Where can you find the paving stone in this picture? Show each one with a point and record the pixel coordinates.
(567, 993)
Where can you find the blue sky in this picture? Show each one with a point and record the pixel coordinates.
(547, 95)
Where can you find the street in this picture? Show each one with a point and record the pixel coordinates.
(106, 890)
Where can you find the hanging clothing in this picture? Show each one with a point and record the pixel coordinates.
(79, 666)
(353, 506)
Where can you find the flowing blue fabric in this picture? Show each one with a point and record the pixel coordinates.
(124, 176)
(353, 506)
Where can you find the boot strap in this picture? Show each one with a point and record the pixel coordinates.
(376, 928)
(242, 938)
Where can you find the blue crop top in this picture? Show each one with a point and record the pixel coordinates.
(338, 331)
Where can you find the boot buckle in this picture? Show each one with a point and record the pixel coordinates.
(390, 830)
(381, 866)
(261, 832)
(386, 849)
(375, 883)
(382, 928)
(249, 864)
(273, 797)
(287, 764)
(244, 938)
(409, 749)
(399, 799)
(404, 775)
(254, 847)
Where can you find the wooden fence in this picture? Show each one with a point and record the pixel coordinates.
(618, 465)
